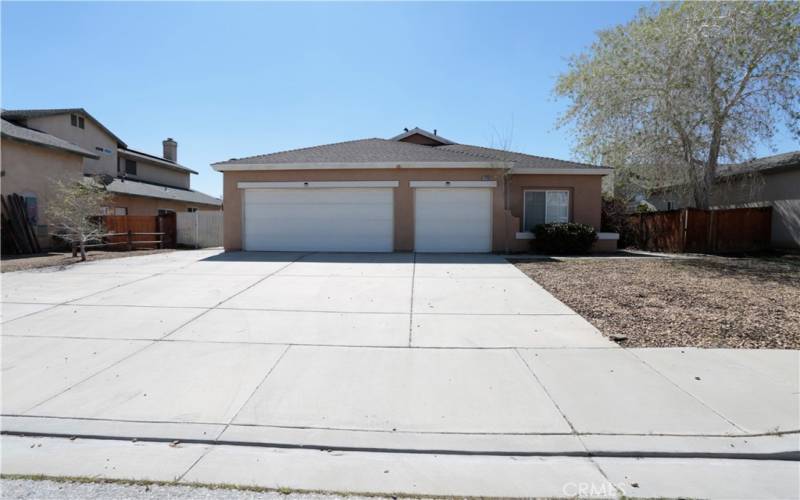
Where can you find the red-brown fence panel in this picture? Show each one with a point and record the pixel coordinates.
(701, 231)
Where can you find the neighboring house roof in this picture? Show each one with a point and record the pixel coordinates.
(24, 134)
(393, 153)
(163, 162)
(137, 188)
(783, 161)
(23, 114)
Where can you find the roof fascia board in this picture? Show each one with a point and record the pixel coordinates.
(562, 171)
(318, 184)
(225, 167)
(452, 184)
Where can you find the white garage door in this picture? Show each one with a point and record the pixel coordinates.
(326, 219)
(452, 220)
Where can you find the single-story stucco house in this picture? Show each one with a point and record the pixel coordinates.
(414, 192)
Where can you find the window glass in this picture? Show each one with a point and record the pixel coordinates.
(545, 207)
(557, 207)
(120, 211)
(73, 119)
(80, 122)
(130, 167)
(534, 209)
(191, 209)
(31, 208)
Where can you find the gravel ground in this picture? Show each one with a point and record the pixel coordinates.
(65, 490)
(692, 302)
(24, 262)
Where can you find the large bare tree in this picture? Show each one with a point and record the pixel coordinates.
(685, 86)
(74, 211)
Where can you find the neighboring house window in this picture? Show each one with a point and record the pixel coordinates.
(544, 207)
(31, 208)
(191, 209)
(130, 167)
(120, 210)
(165, 211)
(105, 211)
(77, 121)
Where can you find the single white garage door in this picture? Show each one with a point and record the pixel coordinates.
(453, 220)
(319, 219)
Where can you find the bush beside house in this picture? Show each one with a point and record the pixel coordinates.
(569, 238)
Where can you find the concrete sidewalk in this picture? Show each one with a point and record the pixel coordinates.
(398, 355)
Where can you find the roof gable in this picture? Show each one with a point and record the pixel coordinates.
(24, 134)
(421, 137)
(24, 114)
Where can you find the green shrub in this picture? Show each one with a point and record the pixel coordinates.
(569, 238)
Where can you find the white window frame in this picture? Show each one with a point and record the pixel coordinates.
(525, 201)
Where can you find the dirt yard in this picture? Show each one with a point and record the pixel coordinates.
(24, 262)
(699, 302)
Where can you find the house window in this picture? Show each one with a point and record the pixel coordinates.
(130, 167)
(120, 210)
(544, 207)
(31, 207)
(77, 121)
(165, 211)
(191, 209)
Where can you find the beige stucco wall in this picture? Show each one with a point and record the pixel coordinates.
(152, 172)
(89, 138)
(30, 169)
(140, 205)
(585, 200)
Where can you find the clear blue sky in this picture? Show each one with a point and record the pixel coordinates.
(231, 80)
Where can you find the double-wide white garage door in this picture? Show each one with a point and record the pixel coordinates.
(362, 219)
(324, 220)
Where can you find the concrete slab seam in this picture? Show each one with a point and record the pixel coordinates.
(662, 375)
(411, 307)
(263, 380)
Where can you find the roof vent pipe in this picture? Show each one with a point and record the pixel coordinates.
(434, 132)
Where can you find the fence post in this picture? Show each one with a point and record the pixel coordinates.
(130, 240)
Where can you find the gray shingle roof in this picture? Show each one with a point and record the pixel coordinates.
(136, 188)
(781, 161)
(366, 151)
(360, 151)
(131, 153)
(520, 160)
(31, 136)
(22, 114)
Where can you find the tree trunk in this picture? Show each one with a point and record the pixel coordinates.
(83, 251)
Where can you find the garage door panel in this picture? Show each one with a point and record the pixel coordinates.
(453, 220)
(333, 219)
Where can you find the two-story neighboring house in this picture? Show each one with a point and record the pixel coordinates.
(142, 183)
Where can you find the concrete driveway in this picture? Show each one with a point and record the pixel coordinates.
(375, 352)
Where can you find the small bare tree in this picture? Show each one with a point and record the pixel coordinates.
(74, 211)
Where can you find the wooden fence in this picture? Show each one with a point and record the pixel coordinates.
(143, 231)
(704, 231)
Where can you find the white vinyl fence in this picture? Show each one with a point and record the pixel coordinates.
(200, 229)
